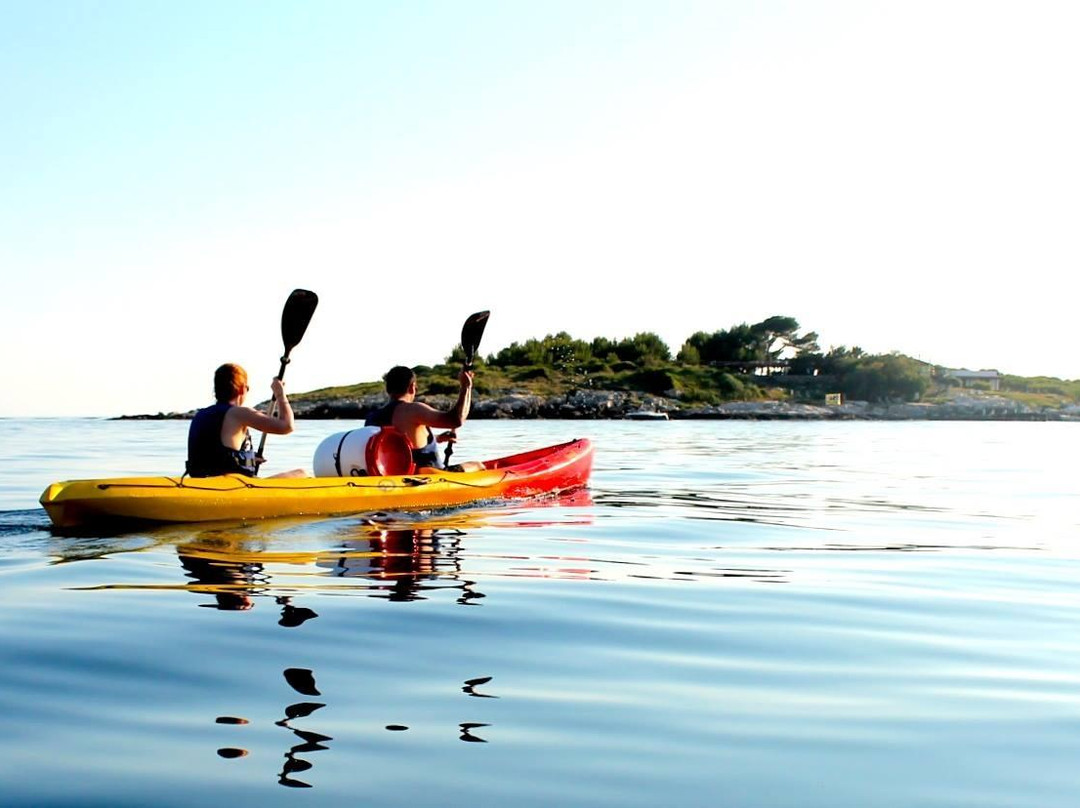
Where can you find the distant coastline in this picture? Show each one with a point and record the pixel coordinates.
(764, 371)
(618, 405)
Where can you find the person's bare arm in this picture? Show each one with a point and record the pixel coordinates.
(420, 414)
(281, 424)
(412, 417)
(460, 411)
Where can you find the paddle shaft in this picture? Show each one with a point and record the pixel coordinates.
(295, 318)
(471, 332)
(272, 409)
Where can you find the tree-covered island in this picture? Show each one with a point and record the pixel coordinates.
(765, 370)
(770, 369)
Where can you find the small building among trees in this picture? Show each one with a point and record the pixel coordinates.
(976, 378)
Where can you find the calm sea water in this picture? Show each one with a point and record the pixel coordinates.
(734, 614)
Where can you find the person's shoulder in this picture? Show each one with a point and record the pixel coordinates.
(209, 410)
(415, 409)
(240, 412)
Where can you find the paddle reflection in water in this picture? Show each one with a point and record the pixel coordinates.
(302, 681)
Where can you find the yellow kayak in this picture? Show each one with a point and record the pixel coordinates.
(79, 503)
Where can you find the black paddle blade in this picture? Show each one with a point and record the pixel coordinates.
(471, 333)
(296, 315)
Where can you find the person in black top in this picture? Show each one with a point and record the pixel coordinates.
(219, 440)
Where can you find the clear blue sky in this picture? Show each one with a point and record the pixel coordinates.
(900, 176)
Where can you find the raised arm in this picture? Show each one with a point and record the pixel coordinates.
(280, 424)
(464, 403)
(420, 414)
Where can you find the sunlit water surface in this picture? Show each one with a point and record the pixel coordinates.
(734, 614)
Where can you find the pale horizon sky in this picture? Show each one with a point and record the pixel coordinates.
(898, 176)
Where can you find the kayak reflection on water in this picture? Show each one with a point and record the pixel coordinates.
(404, 563)
(401, 564)
(234, 583)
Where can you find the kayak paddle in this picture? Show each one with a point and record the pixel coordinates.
(471, 332)
(294, 322)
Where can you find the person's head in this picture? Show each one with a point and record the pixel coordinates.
(398, 380)
(230, 381)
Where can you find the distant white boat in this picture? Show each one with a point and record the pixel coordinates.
(646, 415)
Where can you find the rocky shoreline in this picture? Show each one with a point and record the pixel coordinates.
(615, 405)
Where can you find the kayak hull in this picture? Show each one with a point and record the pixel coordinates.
(82, 503)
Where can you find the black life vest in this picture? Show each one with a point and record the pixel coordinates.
(208, 456)
(384, 416)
